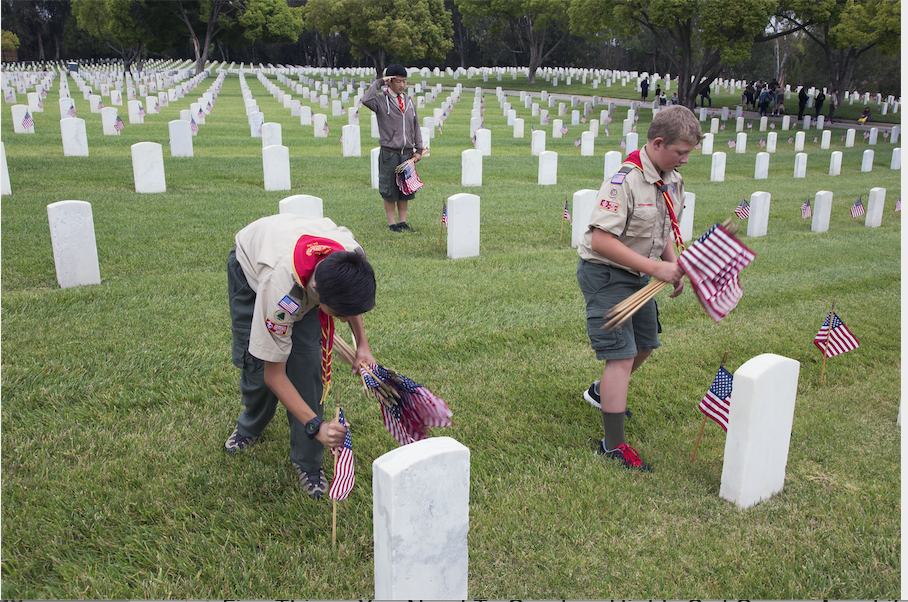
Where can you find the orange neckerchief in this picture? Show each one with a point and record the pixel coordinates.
(307, 253)
(634, 159)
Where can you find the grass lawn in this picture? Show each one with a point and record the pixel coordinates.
(117, 398)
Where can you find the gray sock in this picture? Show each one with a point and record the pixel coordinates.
(613, 425)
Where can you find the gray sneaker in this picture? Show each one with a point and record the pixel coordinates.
(313, 483)
(236, 442)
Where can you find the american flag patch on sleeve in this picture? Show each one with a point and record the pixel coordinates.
(289, 304)
(618, 178)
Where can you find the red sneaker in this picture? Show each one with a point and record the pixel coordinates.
(627, 454)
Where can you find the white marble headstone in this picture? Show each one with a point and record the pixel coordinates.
(800, 168)
(373, 166)
(548, 168)
(484, 141)
(717, 171)
(822, 211)
(584, 201)
(421, 518)
(302, 204)
(471, 168)
(867, 160)
(74, 136)
(276, 166)
(686, 224)
(613, 161)
(271, 134)
(5, 187)
(761, 169)
(896, 161)
(835, 163)
(319, 125)
(463, 224)
(72, 236)
(148, 167)
(180, 138)
(537, 142)
(875, 208)
(350, 141)
(758, 220)
(759, 429)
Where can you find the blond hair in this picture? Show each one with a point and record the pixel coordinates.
(675, 124)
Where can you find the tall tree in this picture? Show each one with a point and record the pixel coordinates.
(540, 25)
(846, 29)
(125, 26)
(379, 29)
(699, 37)
(238, 22)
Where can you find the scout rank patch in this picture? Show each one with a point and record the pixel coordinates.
(278, 329)
(609, 205)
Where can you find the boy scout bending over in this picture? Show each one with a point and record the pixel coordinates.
(288, 278)
(629, 240)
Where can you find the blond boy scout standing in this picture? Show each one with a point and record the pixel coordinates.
(629, 240)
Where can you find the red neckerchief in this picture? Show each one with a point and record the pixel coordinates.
(307, 253)
(634, 159)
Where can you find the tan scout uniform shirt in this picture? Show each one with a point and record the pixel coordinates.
(264, 249)
(633, 209)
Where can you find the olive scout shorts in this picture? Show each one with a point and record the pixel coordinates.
(604, 287)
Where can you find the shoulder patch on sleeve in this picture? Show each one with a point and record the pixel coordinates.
(278, 329)
(618, 178)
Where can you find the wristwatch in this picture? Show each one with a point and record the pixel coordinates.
(312, 427)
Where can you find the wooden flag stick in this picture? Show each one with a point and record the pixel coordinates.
(826, 344)
(697, 444)
(334, 509)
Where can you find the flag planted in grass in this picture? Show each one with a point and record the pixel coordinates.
(717, 401)
(806, 211)
(743, 209)
(857, 210)
(836, 339)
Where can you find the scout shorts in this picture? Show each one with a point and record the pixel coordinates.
(603, 287)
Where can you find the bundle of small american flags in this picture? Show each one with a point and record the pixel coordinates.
(407, 179)
(713, 264)
(408, 408)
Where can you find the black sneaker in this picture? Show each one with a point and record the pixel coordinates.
(627, 454)
(236, 442)
(404, 226)
(592, 396)
(313, 482)
(394, 228)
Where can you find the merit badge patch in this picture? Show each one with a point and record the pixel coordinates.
(618, 178)
(609, 205)
(278, 329)
(288, 304)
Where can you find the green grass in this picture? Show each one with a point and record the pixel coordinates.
(117, 398)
